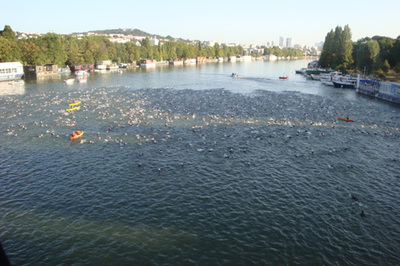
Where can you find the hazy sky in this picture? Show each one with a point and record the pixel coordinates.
(244, 22)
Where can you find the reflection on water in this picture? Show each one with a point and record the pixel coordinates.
(12, 87)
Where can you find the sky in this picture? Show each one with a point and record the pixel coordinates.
(255, 22)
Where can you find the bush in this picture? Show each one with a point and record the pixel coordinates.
(397, 68)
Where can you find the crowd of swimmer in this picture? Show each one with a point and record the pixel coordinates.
(160, 108)
(152, 116)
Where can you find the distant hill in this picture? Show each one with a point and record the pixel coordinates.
(135, 32)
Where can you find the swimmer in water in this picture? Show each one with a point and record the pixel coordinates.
(362, 214)
(354, 197)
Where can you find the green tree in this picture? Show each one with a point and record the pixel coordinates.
(385, 66)
(367, 55)
(170, 50)
(73, 52)
(9, 50)
(30, 53)
(55, 50)
(386, 46)
(346, 50)
(396, 52)
(8, 33)
(218, 51)
(146, 50)
(5, 50)
(337, 51)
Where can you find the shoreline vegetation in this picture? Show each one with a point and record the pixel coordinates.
(66, 50)
(377, 56)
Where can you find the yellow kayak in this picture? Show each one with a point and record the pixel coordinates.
(77, 135)
(73, 108)
(75, 103)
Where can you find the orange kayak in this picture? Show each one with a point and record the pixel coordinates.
(77, 136)
(345, 119)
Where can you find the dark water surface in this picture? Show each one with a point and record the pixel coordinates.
(251, 170)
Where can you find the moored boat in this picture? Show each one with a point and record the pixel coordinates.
(81, 73)
(345, 83)
(11, 71)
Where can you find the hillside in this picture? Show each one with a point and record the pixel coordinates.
(134, 32)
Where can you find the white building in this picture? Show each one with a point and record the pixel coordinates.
(154, 41)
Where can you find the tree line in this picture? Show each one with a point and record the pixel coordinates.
(67, 50)
(376, 55)
(283, 52)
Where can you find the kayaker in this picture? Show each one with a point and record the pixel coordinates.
(347, 117)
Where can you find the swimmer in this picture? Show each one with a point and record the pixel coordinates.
(362, 214)
(353, 197)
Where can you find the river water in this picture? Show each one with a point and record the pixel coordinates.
(187, 165)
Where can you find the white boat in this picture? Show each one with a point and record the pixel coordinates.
(69, 81)
(345, 83)
(315, 77)
(11, 71)
(81, 73)
(328, 78)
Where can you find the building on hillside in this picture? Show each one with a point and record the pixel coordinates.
(154, 41)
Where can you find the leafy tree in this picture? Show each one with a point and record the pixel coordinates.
(55, 51)
(336, 47)
(396, 52)
(209, 51)
(9, 50)
(346, 48)
(8, 33)
(218, 51)
(367, 55)
(385, 66)
(5, 50)
(386, 46)
(146, 48)
(30, 53)
(170, 50)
